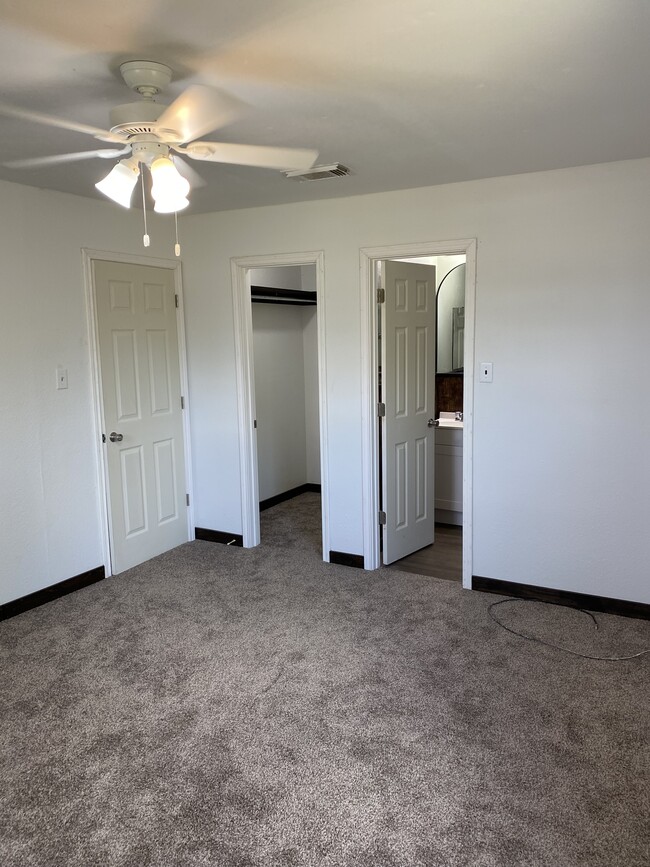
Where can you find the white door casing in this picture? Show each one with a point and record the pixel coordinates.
(408, 346)
(140, 384)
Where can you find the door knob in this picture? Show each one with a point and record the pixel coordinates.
(115, 437)
(433, 422)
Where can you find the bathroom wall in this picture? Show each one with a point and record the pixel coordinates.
(449, 387)
(450, 293)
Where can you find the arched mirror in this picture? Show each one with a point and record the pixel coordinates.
(450, 307)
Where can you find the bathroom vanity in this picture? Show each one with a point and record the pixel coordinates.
(449, 472)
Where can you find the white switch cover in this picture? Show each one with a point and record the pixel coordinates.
(485, 371)
(61, 377)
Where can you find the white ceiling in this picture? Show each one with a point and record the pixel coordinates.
(407, 93)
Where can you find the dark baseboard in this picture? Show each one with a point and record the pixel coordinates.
(234, 539)
(623, 608)
(47, 594)
(343, 559)
(308, 488)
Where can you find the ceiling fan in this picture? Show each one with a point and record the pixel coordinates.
(147, 133)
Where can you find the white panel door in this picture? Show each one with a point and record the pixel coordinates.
(143, 425)
(408, 351)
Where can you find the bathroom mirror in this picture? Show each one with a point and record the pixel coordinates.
(450, 311)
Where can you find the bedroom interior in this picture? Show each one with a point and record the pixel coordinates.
(217, 704)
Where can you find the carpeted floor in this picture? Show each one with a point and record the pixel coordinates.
(222, 706)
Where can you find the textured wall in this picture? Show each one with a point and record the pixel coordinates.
(563, 324)
(49, 509)
(561, 488)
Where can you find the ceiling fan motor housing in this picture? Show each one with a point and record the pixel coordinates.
(136, 118)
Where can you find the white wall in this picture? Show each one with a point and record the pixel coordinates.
(49, 517)
(278, 354)
(560, 485)
(445, 264)
(312, 414)
(561, 466)
(308, 278)
(277, 277)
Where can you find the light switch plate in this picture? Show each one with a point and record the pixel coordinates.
(61, 377)
(485, 371)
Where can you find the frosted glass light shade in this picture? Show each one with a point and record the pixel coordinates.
(119, 183)
(170, 204)
(167, 181)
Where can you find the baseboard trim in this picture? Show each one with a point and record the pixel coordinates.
(234, 539)
(308, 488)
(343, 559)
(605, 604)
(48, 594)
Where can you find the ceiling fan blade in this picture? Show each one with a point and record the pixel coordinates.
(56, 159)
(284, 159)
(198, 111)
(59, 122)
(189, 173)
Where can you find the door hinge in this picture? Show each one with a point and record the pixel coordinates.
(381, 410)
(381, 295)
(176, 300)
(382, 518)
(255, 424)
(182, 402)
(187, 499)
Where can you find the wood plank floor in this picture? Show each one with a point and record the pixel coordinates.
(443, 559)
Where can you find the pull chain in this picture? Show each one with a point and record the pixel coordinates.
(177, 246)
(145, 238)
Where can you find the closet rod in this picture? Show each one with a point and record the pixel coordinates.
(266, 295)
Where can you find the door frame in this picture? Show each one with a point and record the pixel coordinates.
(244, 362)
(88, 257)
(369, 388)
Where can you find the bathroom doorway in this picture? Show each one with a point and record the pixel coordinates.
(442, 557)
(462, 426)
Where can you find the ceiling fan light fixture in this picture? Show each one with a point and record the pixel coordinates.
(150, 131)
(119, 183)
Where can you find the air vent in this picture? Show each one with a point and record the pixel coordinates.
(319, 173)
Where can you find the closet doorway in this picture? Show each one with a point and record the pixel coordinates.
(285, 360)
(279, 322)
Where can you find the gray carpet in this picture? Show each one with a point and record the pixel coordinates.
(222, 706)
